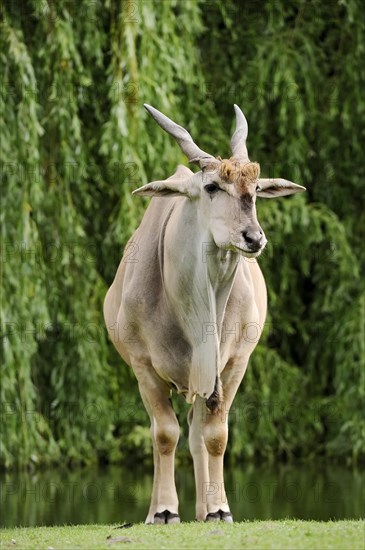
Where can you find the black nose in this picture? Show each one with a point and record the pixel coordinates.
(253, 239)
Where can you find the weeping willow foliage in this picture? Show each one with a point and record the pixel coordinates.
(76, 141)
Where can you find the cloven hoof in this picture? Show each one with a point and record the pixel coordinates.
(161, 518)
(220, 516)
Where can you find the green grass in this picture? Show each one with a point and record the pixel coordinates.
(254, 535)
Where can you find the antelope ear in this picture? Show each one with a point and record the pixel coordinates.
(181, 183)
(270, 188)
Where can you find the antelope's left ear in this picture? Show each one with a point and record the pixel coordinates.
(271, 188)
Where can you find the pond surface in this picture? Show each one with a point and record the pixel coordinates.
(116, 494)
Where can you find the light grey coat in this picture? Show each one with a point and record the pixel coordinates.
(187, 307)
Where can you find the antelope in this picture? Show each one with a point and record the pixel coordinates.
(177, 313)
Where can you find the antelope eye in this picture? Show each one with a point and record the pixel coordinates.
(211, 188)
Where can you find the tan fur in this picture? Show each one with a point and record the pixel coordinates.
(243, 175)
(232, 170)
(172, 290)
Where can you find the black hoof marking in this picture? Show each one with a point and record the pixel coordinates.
(161, 518)
(220, 516)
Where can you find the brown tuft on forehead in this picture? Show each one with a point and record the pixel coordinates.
(241, 174)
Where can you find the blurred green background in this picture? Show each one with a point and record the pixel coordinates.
(75, 141)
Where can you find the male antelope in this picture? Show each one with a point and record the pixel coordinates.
(185, 297)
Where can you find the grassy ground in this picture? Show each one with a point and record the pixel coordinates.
(253, 535)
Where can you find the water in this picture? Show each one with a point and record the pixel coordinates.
(116, 494)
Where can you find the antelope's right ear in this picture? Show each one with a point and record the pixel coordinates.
(181, 183)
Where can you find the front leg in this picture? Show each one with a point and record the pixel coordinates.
(215, 433)
(165, 433)
(199, 453)
(208, 440)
